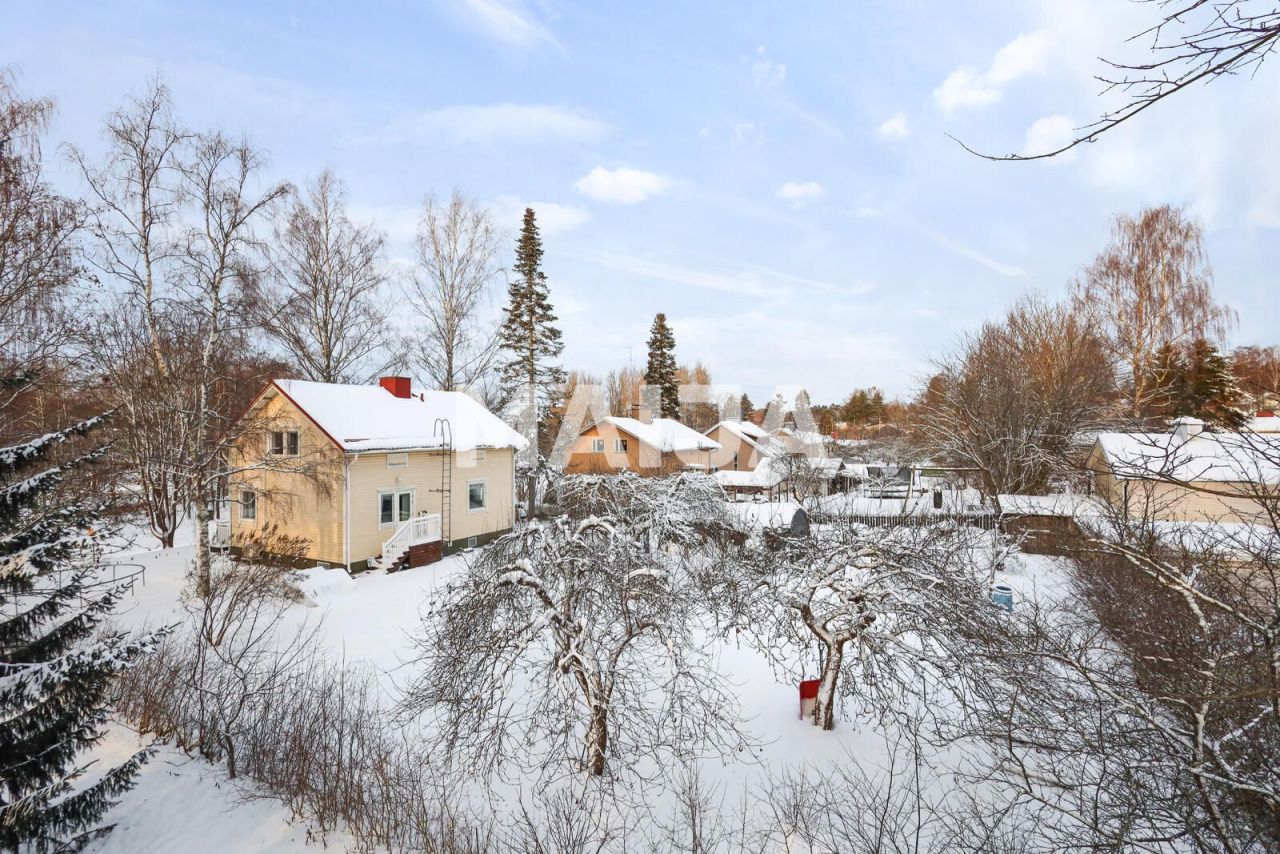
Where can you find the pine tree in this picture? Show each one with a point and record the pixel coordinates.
(532, 343)
(745, 407)
(55, 664)
(661, 369)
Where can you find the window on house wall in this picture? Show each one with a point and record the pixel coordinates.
(620, 445)
(284, 443)
(597, 446)
(397, 461)
(735, 460)
(477, 495)
(394, 507)
(248, 505)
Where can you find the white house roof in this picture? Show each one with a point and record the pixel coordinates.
(665, 434)
(370, 418)
(1219, 457)
(744, 430)
(762, 476)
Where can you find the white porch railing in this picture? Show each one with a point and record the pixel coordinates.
(412, 532)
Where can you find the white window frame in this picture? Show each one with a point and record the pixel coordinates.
(597, 446)
(285, 443)
(484, 482)
(620, 446)
(397, 460)
(251, 505)
(395, 494)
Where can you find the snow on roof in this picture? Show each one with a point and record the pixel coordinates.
(762, 476)
(665, 434)
(1218, 457)
(1264, 424)
(1046, 505)
(744, 430)
(370, 418)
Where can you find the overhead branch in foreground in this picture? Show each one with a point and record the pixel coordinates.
(1193, 41)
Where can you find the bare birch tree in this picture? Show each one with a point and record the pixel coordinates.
(327, 308)
(1151, 287)
(222, 259)
(39, 250)
(135, 196)
(457, 253)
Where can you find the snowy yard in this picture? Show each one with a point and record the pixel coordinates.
(369, 620)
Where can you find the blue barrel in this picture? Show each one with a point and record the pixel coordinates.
(1002, 596)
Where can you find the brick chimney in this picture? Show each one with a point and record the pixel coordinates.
(399, 386)
(641, 413)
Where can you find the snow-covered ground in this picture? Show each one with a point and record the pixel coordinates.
(187, 804)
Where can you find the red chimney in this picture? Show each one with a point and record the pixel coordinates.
(399, 386)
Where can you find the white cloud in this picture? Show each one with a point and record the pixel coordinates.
(968, 87)
(1049, 134)
(464, 124)
(894, 127)
(765, 71)
(552, 217)
(622, 186)
(801, 192)
(508, 23)
(749, 281)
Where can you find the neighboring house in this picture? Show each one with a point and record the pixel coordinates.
(743, 445)
(641, 444)
(373, 475)
(1187, 474)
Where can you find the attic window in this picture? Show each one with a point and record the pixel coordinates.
(597, 446)
(620, 445)
(284, 443)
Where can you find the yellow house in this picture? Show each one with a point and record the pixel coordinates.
(641, 444)
(1188, 474)
(374, 475)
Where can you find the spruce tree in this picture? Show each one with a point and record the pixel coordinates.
(1211, 389)
(661, 368)
(55, 662)
(532, 342)
(745, 407)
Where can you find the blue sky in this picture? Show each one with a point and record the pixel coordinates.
(775, 177)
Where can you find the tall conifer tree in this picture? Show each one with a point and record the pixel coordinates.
(55, 664)
(661, 369)
(532, 343)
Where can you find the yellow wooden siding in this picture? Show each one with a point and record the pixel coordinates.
(370, 476)
(303, 508)
(731, 443)
(299, 505)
